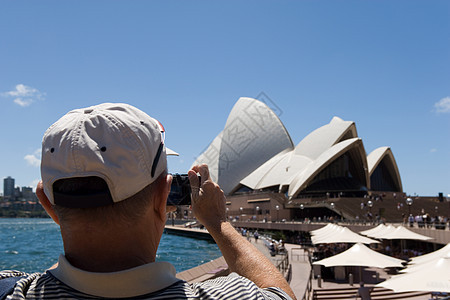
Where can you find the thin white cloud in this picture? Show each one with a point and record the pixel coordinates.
(433, 150)
(24, 95)
(22, 91)
(443, 105)
(23, 102)
(34, 158)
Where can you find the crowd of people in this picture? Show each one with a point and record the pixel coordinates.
(322, 251)
(426, 220)
(274, 246)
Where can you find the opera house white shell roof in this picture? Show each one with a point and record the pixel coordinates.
(326, 158)
(297, 167)
(252, 135)
(255, 150)
(382, 159)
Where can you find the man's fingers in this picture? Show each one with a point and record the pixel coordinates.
(193, 180)
(204, 173)
(198, 175)
(195, 168)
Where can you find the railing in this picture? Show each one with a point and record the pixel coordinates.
(304, 249)
(309, 289)
(283, 264)
(438, 226)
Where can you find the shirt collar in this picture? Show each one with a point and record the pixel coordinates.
(133, 282)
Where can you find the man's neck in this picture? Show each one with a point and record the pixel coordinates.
(110, 251)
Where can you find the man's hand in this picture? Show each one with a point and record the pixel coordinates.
(208, 203)
(208, 200)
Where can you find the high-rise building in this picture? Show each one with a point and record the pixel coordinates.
(27, 193)
(8, 187)
(17, 193)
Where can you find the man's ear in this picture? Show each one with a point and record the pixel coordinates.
(164, 190)
(45, 202)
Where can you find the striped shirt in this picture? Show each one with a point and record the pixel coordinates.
(160, 283)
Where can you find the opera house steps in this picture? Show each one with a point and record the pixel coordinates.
(390, 210)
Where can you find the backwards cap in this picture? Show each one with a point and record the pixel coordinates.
(114, 141)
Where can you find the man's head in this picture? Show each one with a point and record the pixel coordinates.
(103, 161)
(116, 142)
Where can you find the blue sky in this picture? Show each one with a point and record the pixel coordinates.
(382, 64)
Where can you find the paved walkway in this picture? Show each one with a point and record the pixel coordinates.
(300, 269)
(299, 262)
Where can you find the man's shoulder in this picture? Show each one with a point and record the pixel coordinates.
(11, 273)
(10, 281)
(19, 274)
(41, 286)
(15, 276)
(235, 286)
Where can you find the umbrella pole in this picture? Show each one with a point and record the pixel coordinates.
(360, 274)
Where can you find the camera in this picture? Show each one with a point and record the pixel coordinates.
(180, 190)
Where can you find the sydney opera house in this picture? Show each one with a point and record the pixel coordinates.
(266, 175)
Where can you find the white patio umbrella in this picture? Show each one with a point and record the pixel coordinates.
(444, 251)
(325, 231)
(372, 231)
(434, 277)
(360, 255)
(379, 232)
(325, 228)
(402, 233)
(425, 264)
(341, 235)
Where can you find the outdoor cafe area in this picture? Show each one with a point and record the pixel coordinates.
(385, 257)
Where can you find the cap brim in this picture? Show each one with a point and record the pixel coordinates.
(171, 152)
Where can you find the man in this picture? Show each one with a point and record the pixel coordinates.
(105, 182)
(363, 292)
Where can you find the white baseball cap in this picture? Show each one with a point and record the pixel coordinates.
(114, 141)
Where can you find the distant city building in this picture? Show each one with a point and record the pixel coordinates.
(17, 193)
(27, 193)
(8, 187)
(11, 192)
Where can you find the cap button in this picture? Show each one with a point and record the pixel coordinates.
(88, 111)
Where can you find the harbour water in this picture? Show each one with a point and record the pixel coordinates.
(33, 245)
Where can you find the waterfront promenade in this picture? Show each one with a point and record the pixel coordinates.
(298, 258)
(299, 276)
